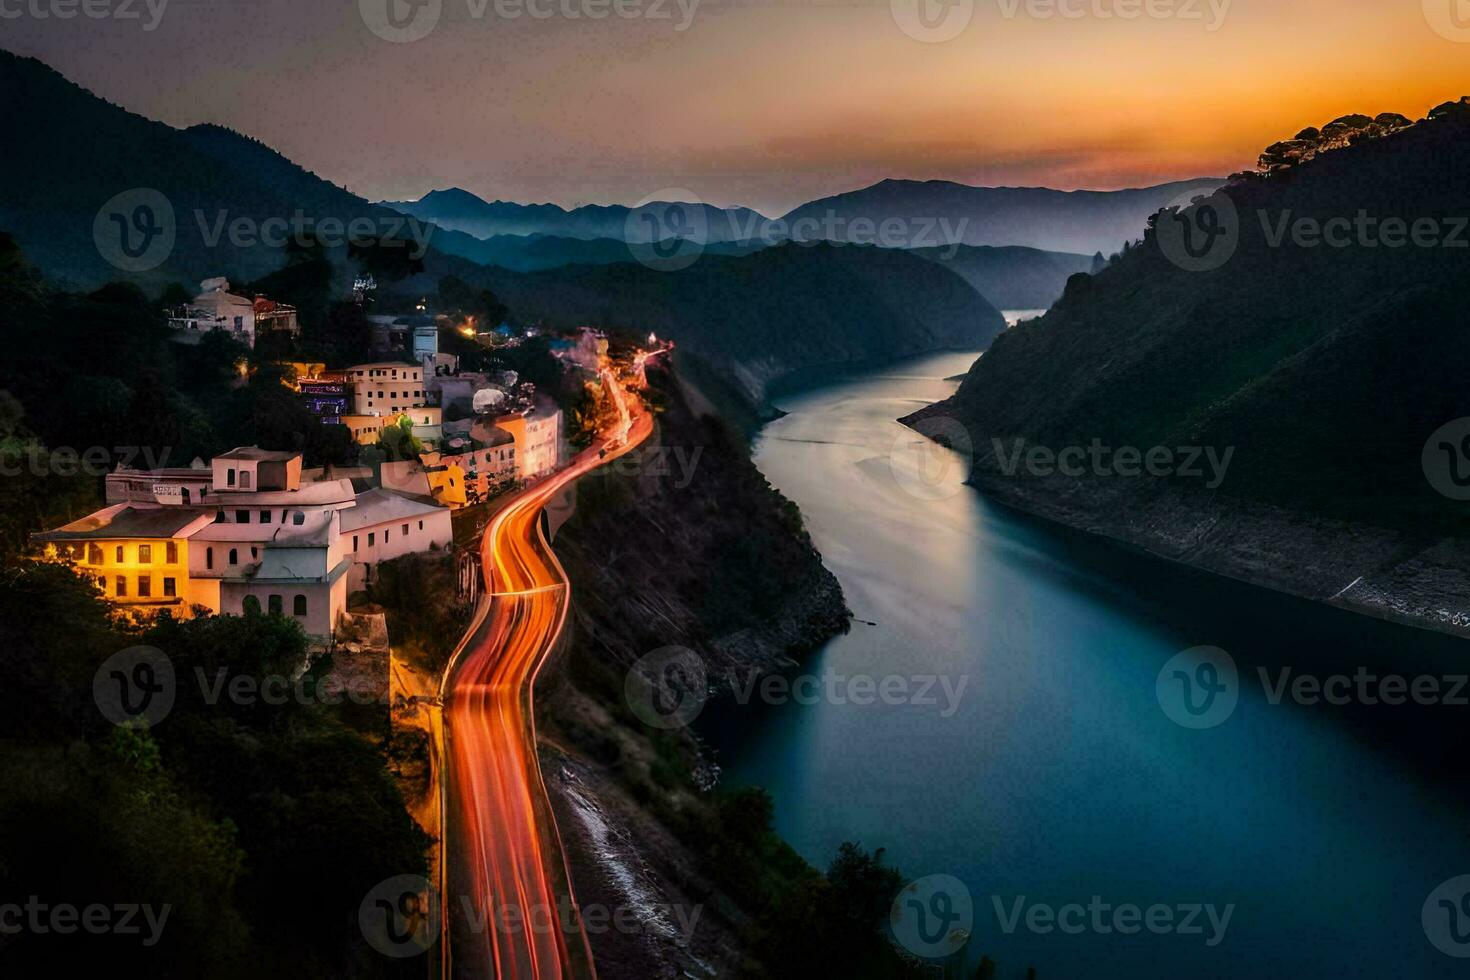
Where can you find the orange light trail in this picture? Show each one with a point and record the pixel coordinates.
(504, 864)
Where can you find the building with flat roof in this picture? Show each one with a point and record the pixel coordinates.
(241, 534)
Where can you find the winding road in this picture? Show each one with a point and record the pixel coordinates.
(508, 907)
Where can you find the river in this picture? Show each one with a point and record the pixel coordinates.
(1058, 776)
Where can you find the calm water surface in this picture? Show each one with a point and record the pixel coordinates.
(1059, 776)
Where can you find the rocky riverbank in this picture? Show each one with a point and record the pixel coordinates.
(682, 544)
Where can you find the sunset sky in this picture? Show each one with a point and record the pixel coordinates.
(766, 103)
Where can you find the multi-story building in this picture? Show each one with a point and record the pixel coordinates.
(242, 535)
(537, 435)
(385, 387)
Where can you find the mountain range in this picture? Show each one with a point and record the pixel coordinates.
(748, 318)
(894, 213)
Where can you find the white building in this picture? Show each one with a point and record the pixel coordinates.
(243, 534)
(216, 308)
(386, 525)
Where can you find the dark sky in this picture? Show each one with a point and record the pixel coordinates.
(761, 102)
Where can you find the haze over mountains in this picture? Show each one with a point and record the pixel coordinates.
(1323, 363)
(750, 317)
(918, 214)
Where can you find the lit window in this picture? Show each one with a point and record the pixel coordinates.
(145, 554)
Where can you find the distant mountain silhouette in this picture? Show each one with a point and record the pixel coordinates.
(1326, 360)
(1011, 278)
(748, 318)
(459, 210)
(1036, 217)
(761, 315)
